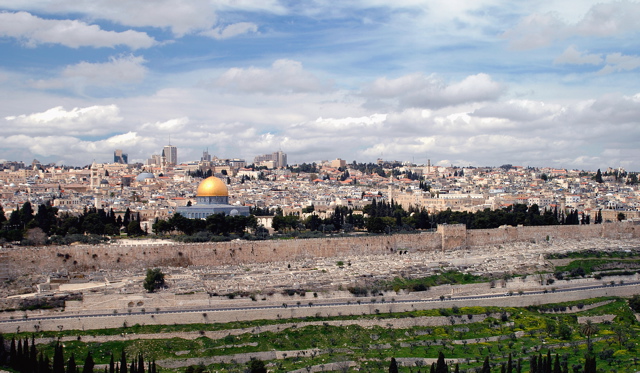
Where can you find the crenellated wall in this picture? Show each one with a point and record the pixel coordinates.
(46, 259)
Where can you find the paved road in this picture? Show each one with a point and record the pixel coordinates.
(311, 304)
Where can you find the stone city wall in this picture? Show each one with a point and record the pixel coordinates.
(76, 258)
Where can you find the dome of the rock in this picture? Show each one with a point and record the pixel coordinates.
(212, 197)
(212, 187)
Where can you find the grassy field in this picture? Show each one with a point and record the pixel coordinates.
(521, 332)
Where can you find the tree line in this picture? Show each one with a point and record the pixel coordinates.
(50, 223)
(537, 364)
(216, 224)
(377, 217)
(389, 217)
(24, 357)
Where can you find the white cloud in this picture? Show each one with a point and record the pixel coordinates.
(420, 91)
(231, 30)
(181, 17)
(572, 56)
(71, 150)
(609, 19)
(349, 126)
(535, 31)
(34, 30)
(93, 120)
(284, 77)
(172, 125)
(617, 62)
(519, 110)
(122, 70)
(602, 20)
(614, 62)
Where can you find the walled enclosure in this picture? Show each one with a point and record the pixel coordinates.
(76, 258)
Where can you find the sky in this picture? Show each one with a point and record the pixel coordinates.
(464, 83)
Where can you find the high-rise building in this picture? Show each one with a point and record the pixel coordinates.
(278, 158)
(120, 157)
(170, 153)
(155, 159)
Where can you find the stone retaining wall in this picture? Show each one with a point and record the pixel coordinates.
(293, 312)
(77, 258)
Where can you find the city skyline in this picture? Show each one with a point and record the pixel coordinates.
(479, 83)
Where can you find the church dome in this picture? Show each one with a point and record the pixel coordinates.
(212, 187)
(144, 176)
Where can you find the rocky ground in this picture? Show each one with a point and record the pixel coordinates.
(327, 274)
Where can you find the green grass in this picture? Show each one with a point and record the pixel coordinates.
(593, 265)
(373, 347)
(593, 253)
(424, 283)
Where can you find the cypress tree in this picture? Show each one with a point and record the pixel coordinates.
(598, 177)
(486, 367)
(3, 350)
(88, 364)
(441, 365)
(112, 365)
(533, 364)
(519, 365)
(43, 365)
(17, 364)
(58, 359)
(556, 365)
(12, 352)
(140, 364)
(393, 366)
(123, 362)
(71, 364)
(26, 352)
(47, 364)
(509, 364)
(33, 354)
(127, 218)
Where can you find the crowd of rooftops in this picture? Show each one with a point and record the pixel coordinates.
(156, 192)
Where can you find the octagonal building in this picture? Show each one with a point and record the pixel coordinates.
(212, 197)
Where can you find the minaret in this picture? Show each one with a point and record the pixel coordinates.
(163, 162)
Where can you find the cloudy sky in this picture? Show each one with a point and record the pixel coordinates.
(462, 82)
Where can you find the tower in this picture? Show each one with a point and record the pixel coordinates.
(94, 178)
(170, 153)
(206, 157)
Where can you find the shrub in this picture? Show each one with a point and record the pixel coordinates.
(154, 280)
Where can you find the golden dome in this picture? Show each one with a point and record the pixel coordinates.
(212, 187)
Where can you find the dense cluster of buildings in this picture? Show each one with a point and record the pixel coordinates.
(160, 189)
